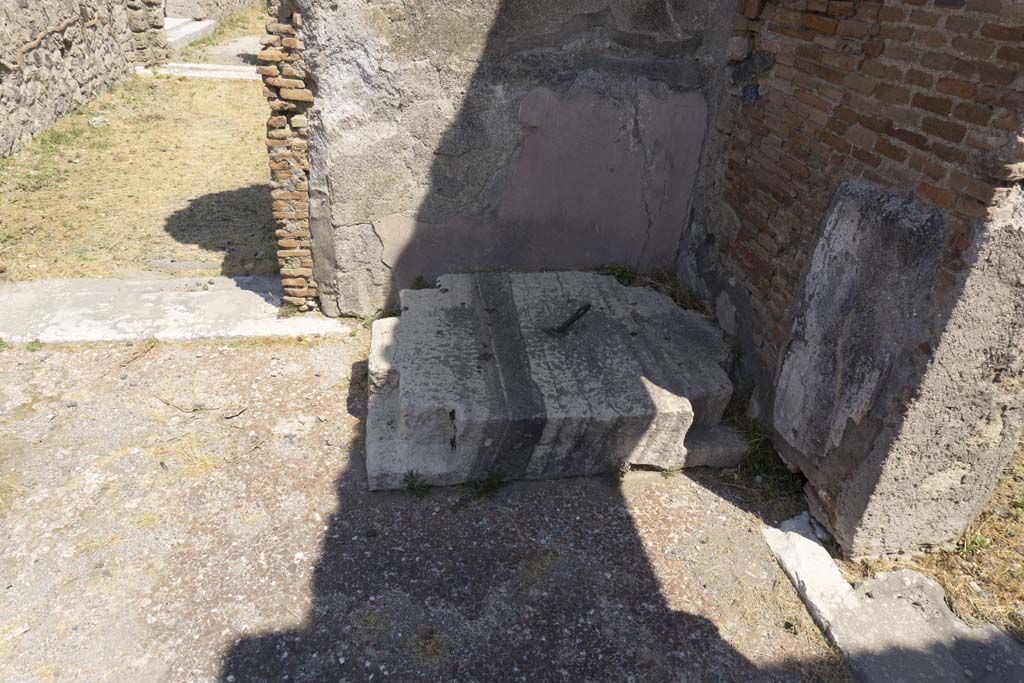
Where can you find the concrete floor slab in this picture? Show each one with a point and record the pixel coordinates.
(88, 310)
(218, 71)
(198, 513)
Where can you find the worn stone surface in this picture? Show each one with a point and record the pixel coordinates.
(198, 512)
(895, 627)
(471, 381)
(893, 361)
(88, 310)
(532, 135)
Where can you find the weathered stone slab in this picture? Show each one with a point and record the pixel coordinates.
(898, 393)
(473, 380)
(894, 627)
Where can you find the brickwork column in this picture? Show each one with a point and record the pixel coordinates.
(284, 80)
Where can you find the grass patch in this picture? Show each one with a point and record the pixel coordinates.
(288, 311)
(3, 344)
(84, 201)
(416, 485)
(487, 486)
(34, 345)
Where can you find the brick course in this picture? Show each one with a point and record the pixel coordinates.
(924, 96)
(289, 97)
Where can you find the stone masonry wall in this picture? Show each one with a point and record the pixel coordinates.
(205, 9)
(867, 226)
(149, 42)
(55, 56)
(284, 78)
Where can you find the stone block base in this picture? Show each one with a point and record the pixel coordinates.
(488, 374)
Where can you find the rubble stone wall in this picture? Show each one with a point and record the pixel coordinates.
(206, 9)
(149, 42)
(56, 55)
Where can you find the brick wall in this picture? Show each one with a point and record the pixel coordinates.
(284, 79)
(924, 95)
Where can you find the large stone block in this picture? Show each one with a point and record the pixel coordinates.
(474, 379)
(899, 392)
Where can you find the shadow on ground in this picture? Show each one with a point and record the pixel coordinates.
(237, 223)
(539, 581)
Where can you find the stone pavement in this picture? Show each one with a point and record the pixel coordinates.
(896, 626)
(89, 310)
(198, 512)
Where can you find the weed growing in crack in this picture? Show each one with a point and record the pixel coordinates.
(287, 311)
(380, 315)
(415, 484)
(486, 486)
(616, 473)
(670, 472)
(420, 283)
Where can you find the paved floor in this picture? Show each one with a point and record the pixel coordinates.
(198, 512)
(239, 51)
(89, 310)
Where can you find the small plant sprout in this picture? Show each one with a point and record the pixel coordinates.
(415, 485)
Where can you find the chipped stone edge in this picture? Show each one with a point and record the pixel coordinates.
(812, 571)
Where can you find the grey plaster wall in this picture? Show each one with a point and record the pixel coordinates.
(505, 134)
(901, 391)
(56, 56)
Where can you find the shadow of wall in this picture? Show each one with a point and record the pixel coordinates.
(537, 582)
(237, 222)
(513, 135)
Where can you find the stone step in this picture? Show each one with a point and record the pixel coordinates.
(181, 32)
(473, 380)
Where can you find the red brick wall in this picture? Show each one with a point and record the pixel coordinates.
(923, 95)
(284, 84)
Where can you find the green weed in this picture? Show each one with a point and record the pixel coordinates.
(416, 485)
(486, 486)
(287, 311)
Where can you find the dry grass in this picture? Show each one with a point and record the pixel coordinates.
(176, 185)
(984, 574)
